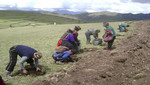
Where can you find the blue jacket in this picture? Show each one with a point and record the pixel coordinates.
(25, 51)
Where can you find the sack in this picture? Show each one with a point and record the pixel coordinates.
(97, 41)
(108, 36)
(60, 49)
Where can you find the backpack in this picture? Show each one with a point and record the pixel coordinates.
(61, 49)
(108, 36)
(65, 35)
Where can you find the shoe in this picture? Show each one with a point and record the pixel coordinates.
(8, 77)
(108, 49)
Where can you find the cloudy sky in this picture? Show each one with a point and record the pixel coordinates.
(121, 6)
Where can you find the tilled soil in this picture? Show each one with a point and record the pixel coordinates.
(31, 71)
(127, 64)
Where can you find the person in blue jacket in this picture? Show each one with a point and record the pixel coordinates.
(122, 26)
(27, 54)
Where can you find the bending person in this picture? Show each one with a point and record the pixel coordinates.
(27, 54)
(90, 32)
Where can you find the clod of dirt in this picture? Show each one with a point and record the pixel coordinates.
(89, 49)
(140, 75)
(121, 59)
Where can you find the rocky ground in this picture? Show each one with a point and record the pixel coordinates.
(127, 64)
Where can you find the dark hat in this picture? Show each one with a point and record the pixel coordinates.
(77, 28)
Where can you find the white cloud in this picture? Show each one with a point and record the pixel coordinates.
(122, 6)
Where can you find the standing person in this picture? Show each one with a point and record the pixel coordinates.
(110, 43)
(27, 54)
(90, 32)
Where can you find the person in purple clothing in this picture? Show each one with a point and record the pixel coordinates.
(27, 54)
(69, 41)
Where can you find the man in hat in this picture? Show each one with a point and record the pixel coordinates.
(27, 54)
(90, 32)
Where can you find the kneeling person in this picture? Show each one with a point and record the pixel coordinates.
(26, 53)
(62, 54)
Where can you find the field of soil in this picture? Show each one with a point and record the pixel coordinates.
(127, 64)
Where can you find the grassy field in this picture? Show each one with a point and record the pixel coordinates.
(44, 39)
(23, 18)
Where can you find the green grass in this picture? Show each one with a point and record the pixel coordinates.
(23, 18)
(44, 39)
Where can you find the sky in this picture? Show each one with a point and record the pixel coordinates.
(120, 6)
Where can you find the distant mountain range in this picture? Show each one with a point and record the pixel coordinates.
(80, 17)
(110, 16)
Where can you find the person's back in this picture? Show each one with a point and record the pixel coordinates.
(110, 28)
(90, 32)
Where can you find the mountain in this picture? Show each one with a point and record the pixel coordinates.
(111, 16)
(63, 11)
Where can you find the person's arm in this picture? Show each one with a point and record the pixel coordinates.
(72, 38)
(95, 35)
(36, 62)
(36, 65)
(23, 59)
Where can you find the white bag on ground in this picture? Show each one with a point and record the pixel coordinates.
(97, 41)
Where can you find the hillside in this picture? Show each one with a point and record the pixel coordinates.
(111, 16)
(23, 18)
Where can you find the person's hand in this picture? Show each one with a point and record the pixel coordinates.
(25, 71)
(38, 69)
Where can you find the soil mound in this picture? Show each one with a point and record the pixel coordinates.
(127, 64)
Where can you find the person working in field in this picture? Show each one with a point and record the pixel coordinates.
(90, 32)
(65, 47)
(110, 31)
(75, 34)
(27, 54)
(122, 26)
(67, 39)
(62, 54)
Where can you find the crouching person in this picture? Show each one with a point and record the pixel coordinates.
(62, 54)
(27, 54)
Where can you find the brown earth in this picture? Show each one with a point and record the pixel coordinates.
(31, 71)
(127, 64)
